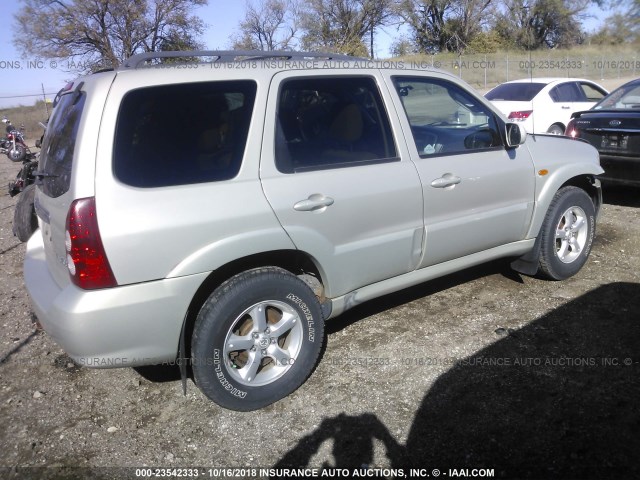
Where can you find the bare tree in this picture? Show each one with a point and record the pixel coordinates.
(533, 24)
(443, 25)
(271, 25)
(343, 25)
(103, 33)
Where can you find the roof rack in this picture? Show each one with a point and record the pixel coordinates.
(138, 60)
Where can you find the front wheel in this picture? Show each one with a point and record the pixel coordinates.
(256, 339)
(17, 153)
(567, 234)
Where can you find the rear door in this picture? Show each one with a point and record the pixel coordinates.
(477, 194)
(339, 179)
(565, 99)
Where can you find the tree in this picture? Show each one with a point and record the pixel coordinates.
(443, 25)
(99, 34)
(343, 25)
(271, 26)
(621, 27)
(533, 24)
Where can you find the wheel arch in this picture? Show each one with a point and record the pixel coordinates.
(528, 263)
(573, 175)
(295, 261)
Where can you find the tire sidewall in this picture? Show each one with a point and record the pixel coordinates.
(25, 221)
(217, 317)
(22, 153)
(566, 198)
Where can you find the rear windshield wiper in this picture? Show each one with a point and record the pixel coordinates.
(44, 175)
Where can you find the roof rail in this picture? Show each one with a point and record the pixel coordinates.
(139, 59)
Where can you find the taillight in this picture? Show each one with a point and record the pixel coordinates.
(520, 116)
(571, 130)
(87, 261)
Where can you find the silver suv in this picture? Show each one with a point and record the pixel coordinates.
(216, 213)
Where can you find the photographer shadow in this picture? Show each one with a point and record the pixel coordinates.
(558, 398)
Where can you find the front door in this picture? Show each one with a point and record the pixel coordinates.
(342, 186)
(477, 194)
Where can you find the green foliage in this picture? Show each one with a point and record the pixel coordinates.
(99, 34)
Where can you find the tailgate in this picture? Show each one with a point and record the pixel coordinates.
(67, 164)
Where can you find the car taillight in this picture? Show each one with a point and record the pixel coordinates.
(571, 130)
(87, 261)
(520, 116)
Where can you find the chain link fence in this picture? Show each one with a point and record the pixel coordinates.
(484, 71)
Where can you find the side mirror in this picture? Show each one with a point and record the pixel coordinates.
(516, 135)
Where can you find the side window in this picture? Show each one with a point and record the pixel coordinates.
(444, 118)
(566, 92)
(331, 122)
(182, 134)
(59, 144)
(592, 93)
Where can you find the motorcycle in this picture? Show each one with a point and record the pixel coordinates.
(25, 221)
(13, 144)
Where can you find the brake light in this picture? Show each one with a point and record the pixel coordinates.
(571, 130)
(520, 116)
(86, 259)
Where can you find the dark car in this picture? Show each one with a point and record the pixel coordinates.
(613, 127)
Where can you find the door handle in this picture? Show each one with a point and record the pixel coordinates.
(315, 202)
(566, 108)
(447, 180)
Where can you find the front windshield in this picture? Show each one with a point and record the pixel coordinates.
(625, 97)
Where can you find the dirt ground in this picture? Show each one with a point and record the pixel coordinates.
(485, 369)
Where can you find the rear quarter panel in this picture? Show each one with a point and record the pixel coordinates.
(153, 233)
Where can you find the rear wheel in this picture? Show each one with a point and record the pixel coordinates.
(25, 221)
(567, 234)
(556, 129)
(256, 339)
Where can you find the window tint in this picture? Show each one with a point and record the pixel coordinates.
(515, 92)
(626, 96)
(566, 92)
(331, 122)
(183, 134)
(444, 118)
(59, 143)
(592, 93)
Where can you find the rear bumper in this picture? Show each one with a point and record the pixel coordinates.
(125, 326)
(620, 170)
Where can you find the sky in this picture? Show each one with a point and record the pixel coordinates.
(22, 80)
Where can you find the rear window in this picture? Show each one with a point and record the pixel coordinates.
(183, 134)
(56, 157)
(515, 92)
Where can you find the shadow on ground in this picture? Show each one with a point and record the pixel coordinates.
(558, 398)
(621, 195)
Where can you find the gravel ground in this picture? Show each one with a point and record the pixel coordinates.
(482, 369)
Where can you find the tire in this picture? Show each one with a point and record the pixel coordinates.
(25, 221)
(18, 153)
(556, 129)
(256, 339)
(567, 234)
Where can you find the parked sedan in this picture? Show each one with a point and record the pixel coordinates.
(613, 127)
(545, 105)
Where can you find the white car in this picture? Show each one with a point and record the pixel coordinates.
(545, 105)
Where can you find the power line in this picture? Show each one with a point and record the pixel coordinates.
(32, 95)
